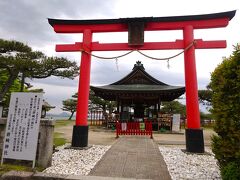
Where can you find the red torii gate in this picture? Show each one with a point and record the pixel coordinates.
(136, 28)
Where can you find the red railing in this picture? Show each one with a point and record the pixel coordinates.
(134, 128)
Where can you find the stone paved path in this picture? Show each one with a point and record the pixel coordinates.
(133, 157)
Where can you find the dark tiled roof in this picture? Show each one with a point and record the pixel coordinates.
(139, 84)
(228, 14)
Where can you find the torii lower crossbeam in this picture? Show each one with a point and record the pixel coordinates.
(178, 44)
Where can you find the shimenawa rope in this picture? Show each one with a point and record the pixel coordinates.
(150, 57)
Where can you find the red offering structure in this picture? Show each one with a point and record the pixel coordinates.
(133, 128)
(136, 28)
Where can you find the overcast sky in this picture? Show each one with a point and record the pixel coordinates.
(26, 21)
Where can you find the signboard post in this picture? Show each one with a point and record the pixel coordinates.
(176, 123)
(21, 136)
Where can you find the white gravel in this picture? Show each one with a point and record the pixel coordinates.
(190, 166)
(180, 165)
(76, 162)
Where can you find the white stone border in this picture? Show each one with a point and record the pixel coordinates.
(76, 162)
(190, 166)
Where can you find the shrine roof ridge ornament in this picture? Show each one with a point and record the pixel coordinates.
(227, 14)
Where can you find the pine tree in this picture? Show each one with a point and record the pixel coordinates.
(70, 105)
(17, 59)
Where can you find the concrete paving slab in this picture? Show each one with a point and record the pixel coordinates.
(133, 157)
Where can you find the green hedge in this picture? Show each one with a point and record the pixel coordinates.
(225, 84)
(231, 171)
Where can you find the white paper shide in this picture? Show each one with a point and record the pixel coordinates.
(22, 128)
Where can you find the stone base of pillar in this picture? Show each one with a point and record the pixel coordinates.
(194, 140)
(80, 136)
(45, 146)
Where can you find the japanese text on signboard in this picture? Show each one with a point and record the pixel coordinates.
(22, 126)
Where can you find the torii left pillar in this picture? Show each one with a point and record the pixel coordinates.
(194, 134)
(80, 130)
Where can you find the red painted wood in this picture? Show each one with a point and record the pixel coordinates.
(96, 46)
(193, 116)
(133, 128)
(178, 44)
(84, 82)
(93, 27)
(200, 44)
(151, 26)
(201, 24)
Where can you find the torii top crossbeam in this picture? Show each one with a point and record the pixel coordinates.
(151, 23)
(135, 28)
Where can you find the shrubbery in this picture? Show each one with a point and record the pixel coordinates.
(225, 84)
(231, 171)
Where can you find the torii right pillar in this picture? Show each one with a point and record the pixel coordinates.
(194, 134)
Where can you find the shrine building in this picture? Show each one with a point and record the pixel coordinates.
(138, 95)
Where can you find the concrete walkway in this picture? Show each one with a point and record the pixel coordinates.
(133, 157)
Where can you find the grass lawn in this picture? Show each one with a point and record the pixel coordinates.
(208, 127)
(13, 167)
(60, 123)
(8, 167)
(58, 139)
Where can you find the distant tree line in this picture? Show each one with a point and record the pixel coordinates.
(95, 102)
(172, 107)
